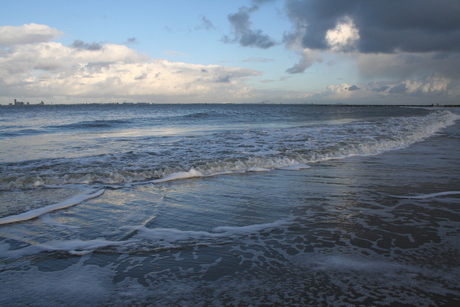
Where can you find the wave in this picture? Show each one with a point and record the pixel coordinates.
(20, 132)
(200, 115)
(227, 152)
(425, 196)
(93, 124)
(209, 115)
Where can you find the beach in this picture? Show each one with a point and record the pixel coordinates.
(373, 229)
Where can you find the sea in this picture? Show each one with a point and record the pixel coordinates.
(229, 205)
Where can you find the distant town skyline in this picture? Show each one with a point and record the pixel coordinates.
(244, 51)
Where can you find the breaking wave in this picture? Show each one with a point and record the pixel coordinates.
(154, 158)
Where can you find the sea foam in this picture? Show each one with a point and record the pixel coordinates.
(180, 175)
(160, 160)
(40, 211)
(425, 196)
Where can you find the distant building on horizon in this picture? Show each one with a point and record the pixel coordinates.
(21, 103)
(18, 103)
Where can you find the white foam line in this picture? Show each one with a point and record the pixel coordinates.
(74, 247)
(196, 174)
(428, 195)
(38, 212)
(169, 234)
(79, 247)
(224, 173)
(257, 169)
(172, 234)
(180, 175)
(186, 175)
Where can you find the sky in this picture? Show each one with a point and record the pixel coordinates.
(240, 51)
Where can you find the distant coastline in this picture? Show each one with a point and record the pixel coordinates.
(17, 103)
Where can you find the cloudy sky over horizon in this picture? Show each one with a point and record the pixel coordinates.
(242, 51)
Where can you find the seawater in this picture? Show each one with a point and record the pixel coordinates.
(226, 205)
(117, 144)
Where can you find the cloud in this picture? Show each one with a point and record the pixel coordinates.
(338, 89)
(242, 32)
(398, 89)
(353, 88)
(259, 2)
(258, 59)
(174, 53)
(339, 93)
(223, 79)
(27, 34)
(435, 84)
(406, 49)
(343, 37)
(131, 40)
(427, 90)
(382, 88)
(205, 24)
(78, 44)
(383, 26)
(307, 58)
(90, 70)
(408, 65)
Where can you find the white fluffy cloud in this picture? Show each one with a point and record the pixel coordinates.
(27, 34)
(435, 84)
(31, 65)
(343, 37)
(428, 90)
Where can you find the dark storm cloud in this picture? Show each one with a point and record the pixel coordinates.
(385, 26)
(79, 44)
(242, 32)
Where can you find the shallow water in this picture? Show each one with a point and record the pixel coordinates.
(342, 232)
